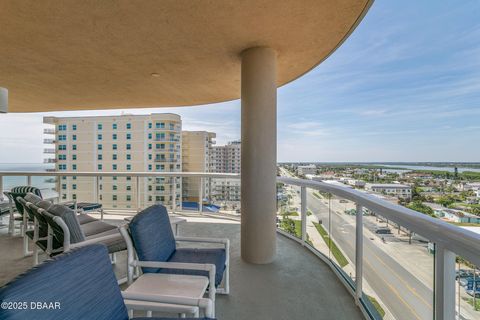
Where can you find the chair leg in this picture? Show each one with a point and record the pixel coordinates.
(26, 252)
(35, 255)
(113, 258)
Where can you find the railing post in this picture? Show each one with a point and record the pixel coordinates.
(1, 188)
(137, 192)
(97, 189)
(359, 254)
(303, 212)
(200, 196)
(29, 181)
(174, 194)
(444, 284)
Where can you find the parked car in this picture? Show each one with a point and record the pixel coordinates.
(383, 231)
(463, 273)
(464, 281)
(477, 293)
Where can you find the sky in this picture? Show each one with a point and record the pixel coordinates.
(405, 86)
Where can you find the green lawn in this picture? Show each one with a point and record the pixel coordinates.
(291, 213)
(316, 194)
(342, 261)
(309, 212)
(377, 306)
(470, 302)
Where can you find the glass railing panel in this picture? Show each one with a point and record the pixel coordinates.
(222, 195)
(342, 233)
(289, 210)
(398, 270)
(318, 222)
(467, 290)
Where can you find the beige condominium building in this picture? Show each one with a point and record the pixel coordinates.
(124, 143)
(226, 158)
(196, 157)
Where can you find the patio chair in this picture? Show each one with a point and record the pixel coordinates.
(149, 237)
(66, 229)
(38, 235)
(79, 284)
(20, 191)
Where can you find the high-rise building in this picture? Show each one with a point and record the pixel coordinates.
(150, 143)
(196, 157)
(226, 158)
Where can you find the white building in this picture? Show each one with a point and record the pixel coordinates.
(399, 190)
(226, 158)
(308, 169)
(136, 143)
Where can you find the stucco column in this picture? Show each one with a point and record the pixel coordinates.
(259, 155)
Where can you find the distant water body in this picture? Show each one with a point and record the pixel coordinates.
(39, 182)
(412, 167)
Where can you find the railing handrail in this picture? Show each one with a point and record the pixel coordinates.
(119, 174)
(459, 240)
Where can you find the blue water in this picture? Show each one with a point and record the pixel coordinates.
(39, 182)
(412, 167)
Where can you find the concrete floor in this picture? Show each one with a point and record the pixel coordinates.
(297, 285)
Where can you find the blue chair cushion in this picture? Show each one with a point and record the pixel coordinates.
(70, 219)
(152, 235)
(81, 280)
(192, 255)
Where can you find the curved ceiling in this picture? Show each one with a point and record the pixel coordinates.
(79, 55)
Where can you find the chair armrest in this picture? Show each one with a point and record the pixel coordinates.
(224, 241)
(95, 240)
(175, 265)
(202, 302)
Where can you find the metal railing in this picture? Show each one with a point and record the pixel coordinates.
(48, 131)
(449, 241)
(172, 180)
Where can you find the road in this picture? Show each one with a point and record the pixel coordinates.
(405, 296)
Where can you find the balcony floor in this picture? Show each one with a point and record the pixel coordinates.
(296, 286)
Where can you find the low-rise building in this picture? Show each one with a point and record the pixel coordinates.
(307, 169)
(458, 216)
(396, 189)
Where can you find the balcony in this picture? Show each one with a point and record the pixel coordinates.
(49, 160)
(322, 250)
(325, 252)
(48, 131)
(166, 160)
(49, 151)
(49, 141)
(166, 139)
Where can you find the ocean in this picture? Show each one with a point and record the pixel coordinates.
(39, 182)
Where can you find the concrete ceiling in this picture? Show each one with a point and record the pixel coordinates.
(90, 54)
